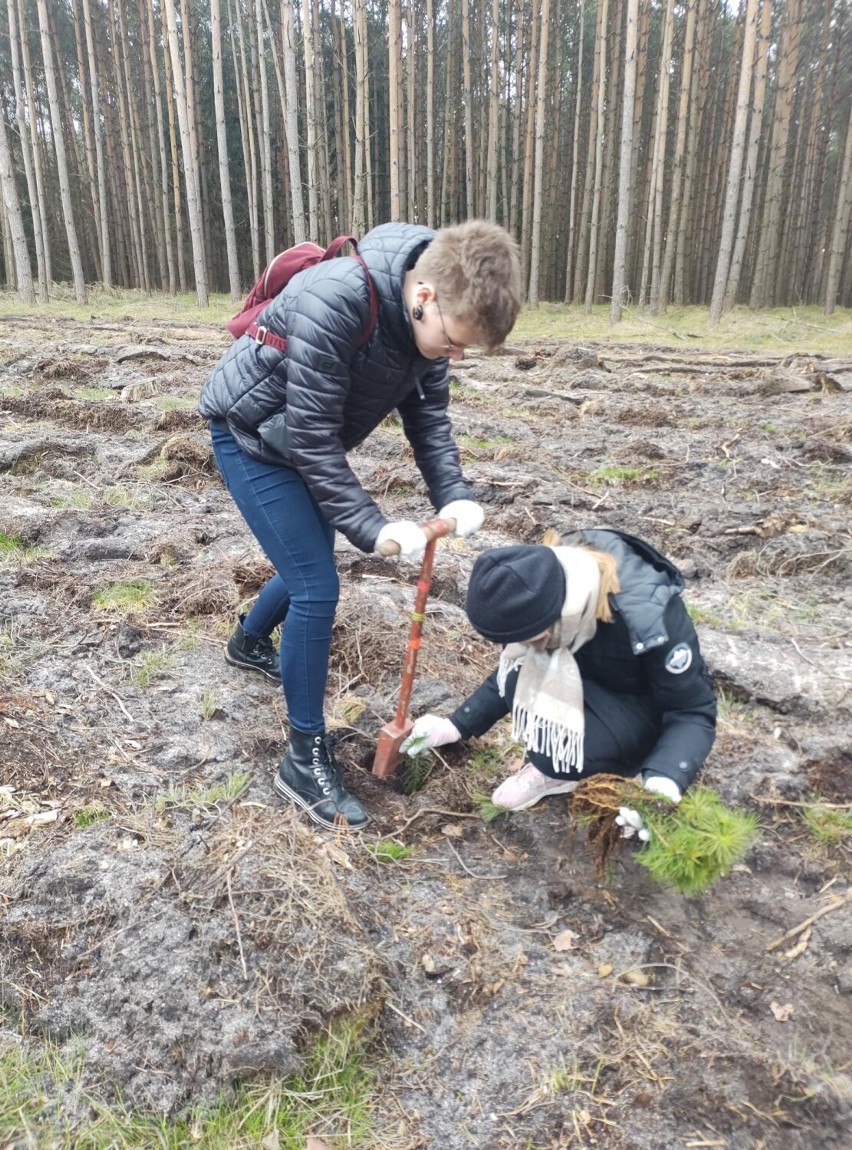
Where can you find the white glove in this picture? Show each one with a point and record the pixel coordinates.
(430, 731)
(409, 537)
(467, 514)
(661, 785)
(631, 822)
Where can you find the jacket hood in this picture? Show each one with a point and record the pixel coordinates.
(389, 251)
(648, 579)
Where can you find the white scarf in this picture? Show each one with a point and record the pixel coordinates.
(547, 713)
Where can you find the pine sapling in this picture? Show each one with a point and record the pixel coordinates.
(691, 844)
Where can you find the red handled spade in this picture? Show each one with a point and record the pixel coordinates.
(393, 734)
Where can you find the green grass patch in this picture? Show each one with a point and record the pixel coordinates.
(334, 1092)
(829, 825)
(389, 851)
(150, 666)
(190, 798)
(617, 476)
(124, 598)
(77, 500)
(16, 550)
(97, 393)
(176, 403)
(802, 328)
(91, 813)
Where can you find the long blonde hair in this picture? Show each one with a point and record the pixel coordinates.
(607, 566)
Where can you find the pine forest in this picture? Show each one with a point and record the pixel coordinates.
(643, 152)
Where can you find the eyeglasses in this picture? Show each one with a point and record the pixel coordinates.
(450, 347)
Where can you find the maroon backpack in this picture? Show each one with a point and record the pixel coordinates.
(277, 274)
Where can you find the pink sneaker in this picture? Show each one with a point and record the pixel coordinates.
(527, 786)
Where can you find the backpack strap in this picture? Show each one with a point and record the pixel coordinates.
(333, 250)
(264, 336)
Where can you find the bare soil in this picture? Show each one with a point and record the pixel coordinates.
(515, 999)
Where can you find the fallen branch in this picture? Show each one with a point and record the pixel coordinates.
(109, 691)
(832, 906)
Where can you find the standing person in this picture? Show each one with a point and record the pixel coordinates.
(600, 670)
(283, 421)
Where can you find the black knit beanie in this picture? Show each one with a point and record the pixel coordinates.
(515, 593)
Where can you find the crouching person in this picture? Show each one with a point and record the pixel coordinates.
(600, 669)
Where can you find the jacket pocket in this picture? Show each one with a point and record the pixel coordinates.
(273, 433)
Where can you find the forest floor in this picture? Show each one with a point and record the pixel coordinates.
(170, 920)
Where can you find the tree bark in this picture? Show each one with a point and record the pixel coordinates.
(734, 191)
(61, 160)
(38, 169)
(538, 189)
(222, 145)
(14, 216)
(625, 164)
(26, 152)
(598, 175)
(190, 173)
(840, 231)
(394, 104)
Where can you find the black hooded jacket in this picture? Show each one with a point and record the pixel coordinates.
(306, 407)
(650, 649)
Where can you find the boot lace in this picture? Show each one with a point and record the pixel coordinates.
(322, 763)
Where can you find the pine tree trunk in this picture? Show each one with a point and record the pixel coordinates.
(88, 142)
(840, 231)
(35, 144)
(467, 99)
(493, 116)
(359, 203)
(311, 118)
(734, 192)
(394, 101)
(766, 260)
(291, 120)
(190, 173)
(265, 138)
(410, 107)
(653, 234)
(625, 163)
(247, 126)
(538, 189)
(750, 175)
(575, 162)
(598, 176)
(61, 160)
(222, 145)
(529, 145)
(135, 151)
(431, 214)
(153, 173)
(26, 151)
(17, 234)
(683, 122)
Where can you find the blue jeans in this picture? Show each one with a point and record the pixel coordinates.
(287, 523)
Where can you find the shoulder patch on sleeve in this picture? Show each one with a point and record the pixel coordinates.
(679, 659)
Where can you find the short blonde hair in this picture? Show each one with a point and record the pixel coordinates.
(475, 269)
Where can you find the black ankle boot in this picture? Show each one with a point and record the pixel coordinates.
(253, 653)
(309, 776)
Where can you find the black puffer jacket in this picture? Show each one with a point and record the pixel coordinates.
(650, 648)
(306, 407)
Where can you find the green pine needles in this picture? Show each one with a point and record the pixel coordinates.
(694, 843)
